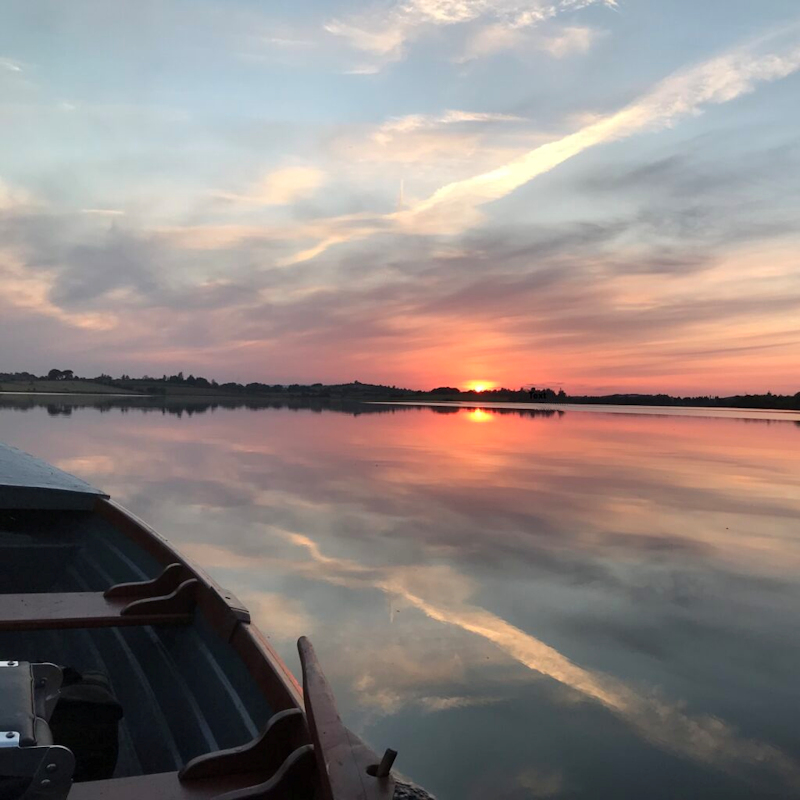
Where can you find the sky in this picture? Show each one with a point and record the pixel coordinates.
(599, 195)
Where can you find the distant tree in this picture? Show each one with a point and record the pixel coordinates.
(446, 390)
(191, 380)
(67, 375)
(54, 374)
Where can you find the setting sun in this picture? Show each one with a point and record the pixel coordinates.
(479, 386)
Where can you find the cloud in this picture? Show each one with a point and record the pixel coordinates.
(455, 207)
(541, 783)
(103, 212)
(30, 292)
(559, 43)
(434, 147)
(279, 188)
(10, 65)
(491, 39)
(14, 198)
(444, 597)
(569, 41)
(385, 36)
(414, 122)
(282, 616)
(288, 42)
(434, 704)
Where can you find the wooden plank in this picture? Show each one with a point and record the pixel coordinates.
(290, 782)
(76, 610)
(161, 786)
(346, 765)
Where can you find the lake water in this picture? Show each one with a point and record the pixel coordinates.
(525, 603)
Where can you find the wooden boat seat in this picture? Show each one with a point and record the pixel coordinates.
(169, 599)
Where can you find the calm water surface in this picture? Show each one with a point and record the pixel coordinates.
(543, 604)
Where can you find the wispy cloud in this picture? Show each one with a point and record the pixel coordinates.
(432, 148)
(280, 187)
(103, 212)
(10, 65)
(575, 39)
(385, 36)
(12, 197)
(498, 37)
(414, 122)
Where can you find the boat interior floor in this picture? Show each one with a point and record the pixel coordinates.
(183, 690)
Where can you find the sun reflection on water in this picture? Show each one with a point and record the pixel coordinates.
(479, 415)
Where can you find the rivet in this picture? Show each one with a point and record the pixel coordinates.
(51, 767)
(45, 783)
(10, 735)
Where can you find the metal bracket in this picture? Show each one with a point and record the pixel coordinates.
(49, 768)
(9, 738)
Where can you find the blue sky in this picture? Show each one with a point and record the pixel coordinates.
(597, 194)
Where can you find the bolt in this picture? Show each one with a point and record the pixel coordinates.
(51, 767)
(10, 735)
(45, 783)
(41, 682)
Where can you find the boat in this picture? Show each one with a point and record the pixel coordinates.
(178, 695)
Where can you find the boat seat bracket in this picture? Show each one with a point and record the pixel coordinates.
(181, 601)
(266, 753)
(294, 778)
(166, 583)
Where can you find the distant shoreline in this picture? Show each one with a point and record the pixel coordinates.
(193, 389)
(718, 412)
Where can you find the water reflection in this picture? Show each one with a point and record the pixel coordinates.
(554, 604)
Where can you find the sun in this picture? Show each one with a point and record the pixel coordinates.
(479, 386)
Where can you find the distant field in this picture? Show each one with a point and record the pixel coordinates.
(77, 387)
